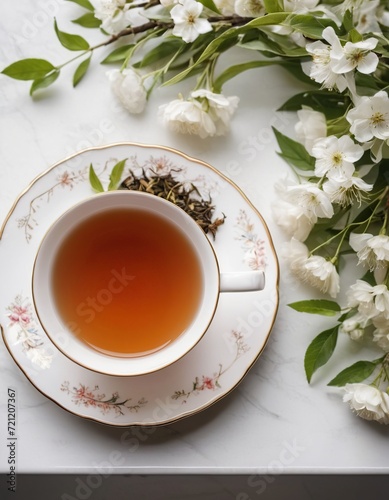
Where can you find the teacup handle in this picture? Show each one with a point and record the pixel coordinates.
(248, 281)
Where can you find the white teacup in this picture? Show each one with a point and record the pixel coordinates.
(67, 334)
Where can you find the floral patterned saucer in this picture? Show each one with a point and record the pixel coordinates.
(233, 342)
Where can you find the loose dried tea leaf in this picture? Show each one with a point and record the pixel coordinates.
(167, 187)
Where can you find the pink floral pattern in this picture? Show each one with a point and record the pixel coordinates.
(212, 383)
(92, 398)
(253, 246)
(161, 166)
(24, 324)
(65, 180)
(82, 395)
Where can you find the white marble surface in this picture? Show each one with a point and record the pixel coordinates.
(273, 422)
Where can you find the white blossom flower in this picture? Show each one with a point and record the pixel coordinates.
(128, 87)
(335, 157)
(313, 270)
(370, 118)
(381, 15)
(112, 14)
(312, 125)
(380, 275)
(221, 108)
(355, 56)
(348, 191)
(295, 254)
(355, 326)
(371, 250)
(381, 338)
(320, 69)
(168, 3)
(297, 7)
(249, 8)
(136, 15)
(187, 22)
(381, 334)
(368, 402)
(322, 274)
(311, 199)
(367, 18)
(205, 113)
(291, 218)
(381, 323)
(187, 117)
(226, 7)
(364, 14)
(358, 241)
(371, 300)
(300, 6)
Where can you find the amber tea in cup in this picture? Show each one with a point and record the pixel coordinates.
(128, 281)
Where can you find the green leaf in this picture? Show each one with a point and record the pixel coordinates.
(180, 65)
(358, 372)
(324, 228)
(348, 22)
(288, 47)
(273, 6)
(166, 48)
(88, 20)
(71, 42)
(355, 36)
(319, 351)
(369, 278)
(228, 43)
(233, 71)
(119, 54)
(270, 19)
(331, 104)
(339, 126)
(310, 25)
(294, 68)
(83, 3)
(323, 307)
(94, 180)
(294, 152)
(264, 44)
(366, 84)
(382, 47)
(209, 4)
(41, 83)
(81, 70)
(28, 69)
(346, 315)
(116, 175)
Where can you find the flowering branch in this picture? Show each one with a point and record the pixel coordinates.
(150, 27)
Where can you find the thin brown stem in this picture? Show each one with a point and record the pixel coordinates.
(134, 31)
(145, 5)
(233, 20)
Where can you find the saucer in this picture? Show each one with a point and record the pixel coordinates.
(213, 368)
